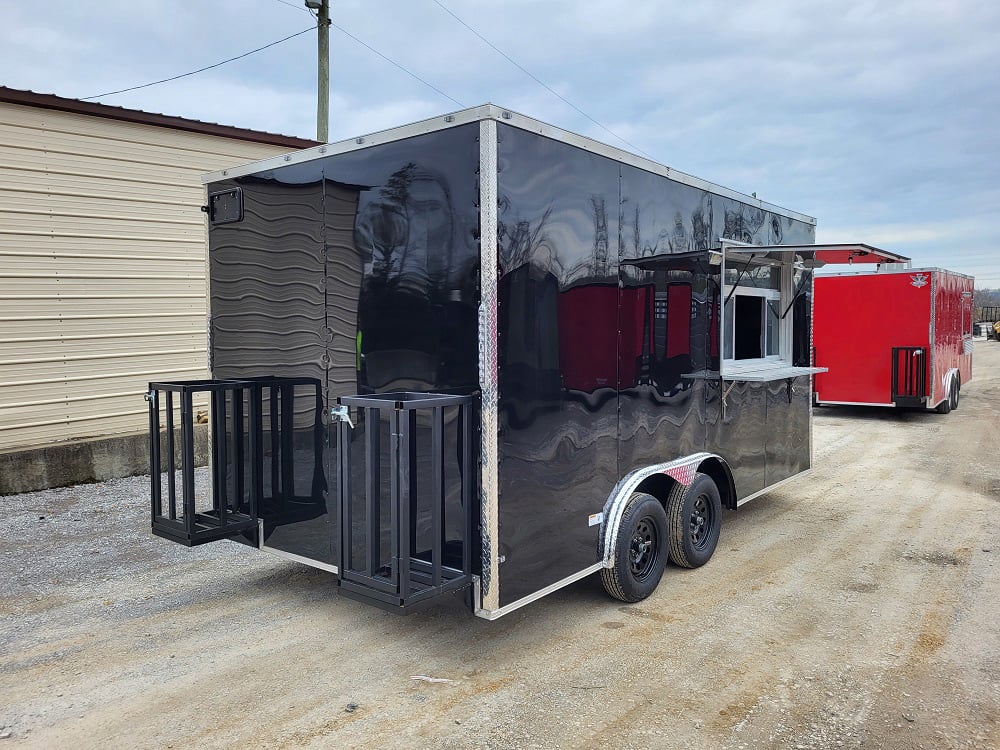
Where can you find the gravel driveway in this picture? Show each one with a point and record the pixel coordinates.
(854, 607)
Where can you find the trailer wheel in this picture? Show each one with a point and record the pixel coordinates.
(640, 550)
(694, 515)
(945, 406)
(957, 388)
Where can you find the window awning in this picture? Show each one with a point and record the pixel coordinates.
(839, 253)
(694, 261)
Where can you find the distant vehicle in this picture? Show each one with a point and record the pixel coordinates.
(920, 354)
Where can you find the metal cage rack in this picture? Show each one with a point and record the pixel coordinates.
(237, 422)
(407, 568)
(405, 535)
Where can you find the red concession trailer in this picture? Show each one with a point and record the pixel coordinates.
(893, 337)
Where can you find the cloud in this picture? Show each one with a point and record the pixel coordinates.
(877, 117)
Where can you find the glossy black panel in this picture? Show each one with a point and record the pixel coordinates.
(661, 216)
(266, 281)
(607, 301)
(359, 270)
(738, 431)
(557, 356)
(403, 289)
(666, 401)
(663, 317)
(417, 230)
(788, 438)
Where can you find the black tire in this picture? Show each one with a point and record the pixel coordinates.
(694, 516)
(945, 406)
(957, 385)
(640, 550)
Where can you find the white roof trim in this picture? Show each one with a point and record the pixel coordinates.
(508, 117)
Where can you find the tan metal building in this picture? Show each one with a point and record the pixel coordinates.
(102, 267)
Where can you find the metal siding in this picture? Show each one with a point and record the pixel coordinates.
(102, 268)
(133, 187)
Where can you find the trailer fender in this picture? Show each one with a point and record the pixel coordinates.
(947, 379)
(949, 376)
(680, 470)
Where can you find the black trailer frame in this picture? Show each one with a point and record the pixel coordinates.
(475, 387)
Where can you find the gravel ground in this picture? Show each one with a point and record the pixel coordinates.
(855, 607)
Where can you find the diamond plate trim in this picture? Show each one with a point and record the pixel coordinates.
(488, 378)
(812, 362)
(683, 474)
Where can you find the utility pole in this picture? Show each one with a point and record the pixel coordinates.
(323, 68)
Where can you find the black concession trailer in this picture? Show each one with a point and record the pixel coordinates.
(482, 354)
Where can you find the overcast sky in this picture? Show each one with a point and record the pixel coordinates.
(881, 118)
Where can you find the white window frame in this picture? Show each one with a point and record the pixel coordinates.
(780, 298)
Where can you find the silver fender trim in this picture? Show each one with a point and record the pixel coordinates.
(680, 469)
(946, 384)
(949, 376)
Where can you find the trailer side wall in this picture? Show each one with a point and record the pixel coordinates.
(953, 316)
(593, 352)
(763, 431)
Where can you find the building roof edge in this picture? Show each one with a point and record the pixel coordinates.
(77, 106)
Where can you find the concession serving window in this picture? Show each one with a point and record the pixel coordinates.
(760, 286)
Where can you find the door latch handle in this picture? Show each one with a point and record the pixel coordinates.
(341, 414)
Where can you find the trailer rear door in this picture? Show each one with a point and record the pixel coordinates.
(872, 332)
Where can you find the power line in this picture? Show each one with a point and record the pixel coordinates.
(539, 82)
(297, 7)
(414, 75)
(202, 70)
(372, 49)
